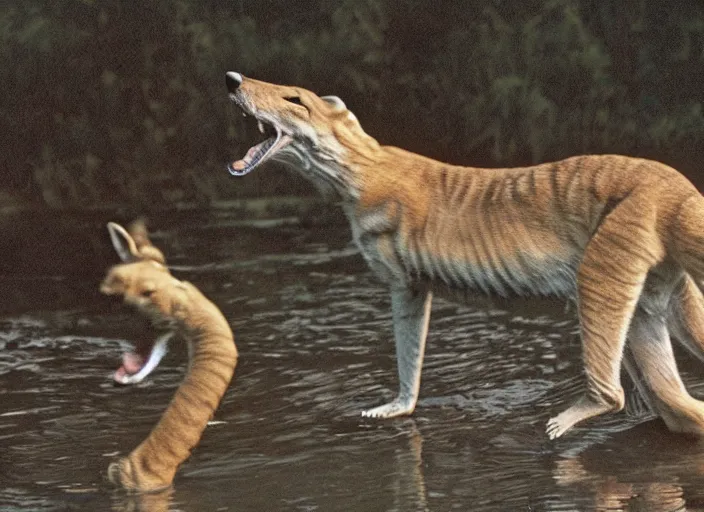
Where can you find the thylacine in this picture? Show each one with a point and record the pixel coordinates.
(174, 308)
(622, 236)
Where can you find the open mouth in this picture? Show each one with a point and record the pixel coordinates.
(140, 363)
(274, 142)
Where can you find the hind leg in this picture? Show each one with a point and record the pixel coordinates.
(604, 323)
(609, 282)
(650, 345)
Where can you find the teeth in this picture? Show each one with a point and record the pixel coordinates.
(261, 126)
(244, 114)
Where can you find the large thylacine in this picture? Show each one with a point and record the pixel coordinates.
(622, 236)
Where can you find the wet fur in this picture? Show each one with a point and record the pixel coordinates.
(622, 237)
(175, 307)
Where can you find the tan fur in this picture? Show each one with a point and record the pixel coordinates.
(624, 237)
(179, 307)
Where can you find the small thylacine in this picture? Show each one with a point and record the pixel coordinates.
(174, 308)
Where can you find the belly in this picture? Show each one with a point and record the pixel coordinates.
(551, 277)
(513, 273)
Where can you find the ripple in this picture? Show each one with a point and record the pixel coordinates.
(313, 328)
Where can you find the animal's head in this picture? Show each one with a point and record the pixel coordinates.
(318, 135)
(142, 272)
(144, 281)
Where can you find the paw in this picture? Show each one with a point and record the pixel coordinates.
(391, 410)
(555, 428)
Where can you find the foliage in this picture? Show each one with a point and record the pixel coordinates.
(116, 101)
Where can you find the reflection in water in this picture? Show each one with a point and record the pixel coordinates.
(409, 485)
(153, 502)
(610, 493)
(655, 474)
(314, 333)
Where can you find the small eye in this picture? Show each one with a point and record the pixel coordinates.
(147, 293)
(295, 100)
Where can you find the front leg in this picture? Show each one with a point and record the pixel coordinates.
(410, 310)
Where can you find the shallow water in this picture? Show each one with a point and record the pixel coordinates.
(314, 334)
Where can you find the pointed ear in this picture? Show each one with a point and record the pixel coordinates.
(336, 103)
(146, 250)
(123, 243)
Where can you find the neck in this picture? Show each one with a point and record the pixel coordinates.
(154, 462)
(337, 168)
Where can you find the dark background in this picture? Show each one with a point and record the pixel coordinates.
(122, 102)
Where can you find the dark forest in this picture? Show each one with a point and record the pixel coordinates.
(124, 102)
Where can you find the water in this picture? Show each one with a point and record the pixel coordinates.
(313, 330)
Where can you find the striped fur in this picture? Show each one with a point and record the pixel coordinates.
(623, 237)
(176, 307)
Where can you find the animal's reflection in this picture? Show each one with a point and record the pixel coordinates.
(409, 489)
(145, 502)
(612, 493)
(651, 476)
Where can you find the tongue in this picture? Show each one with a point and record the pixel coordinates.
(131, 364)
(136, 367)
(239, 165)
(254, 153)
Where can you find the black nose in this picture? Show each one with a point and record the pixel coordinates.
(233, 80)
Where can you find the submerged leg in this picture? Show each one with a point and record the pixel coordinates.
(410, 310)
(650, 344)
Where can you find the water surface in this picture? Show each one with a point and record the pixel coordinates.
(313, 329)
